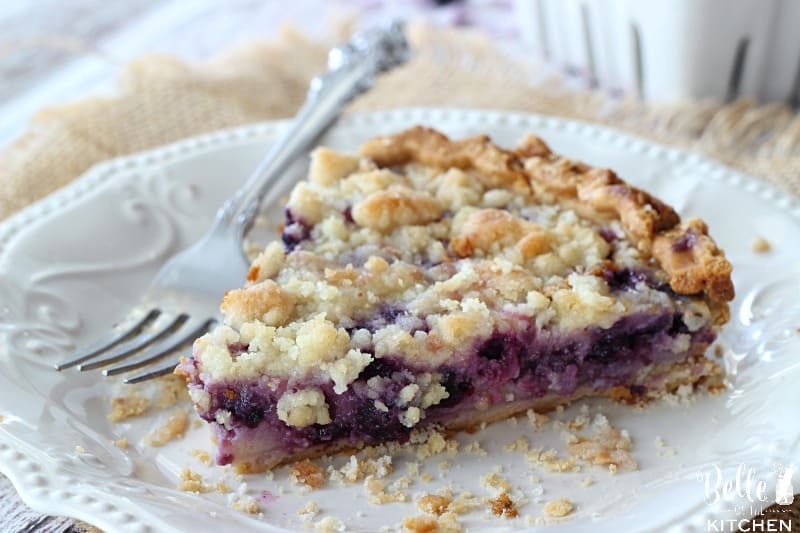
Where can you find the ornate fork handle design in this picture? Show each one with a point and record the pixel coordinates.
(352, 69)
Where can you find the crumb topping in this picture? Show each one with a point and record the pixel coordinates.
(693, 262)
(303, 408)
(419, 246)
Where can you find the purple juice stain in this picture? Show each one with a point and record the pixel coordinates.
(388, 314)
(267, 497)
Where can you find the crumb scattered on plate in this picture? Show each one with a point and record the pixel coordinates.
(550, 461)
(446, 523)
(606, 446)
(309, 510)
(248, 504)
(421, 524)
(307, 473)
(120, 443)
(434, 503)
(190, 481)
(329, 524)
(520, 445)
(492, 480)
(378, 495)
(357, 468)
(537, 420)
(171, 391)
(559, 508)
(201, 456)
(175, 427)
(503, 506)
(474, 448)
(125, 407)
(760, 245)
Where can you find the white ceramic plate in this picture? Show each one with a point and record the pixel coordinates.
(73, 263)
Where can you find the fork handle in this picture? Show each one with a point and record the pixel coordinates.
(352, 69)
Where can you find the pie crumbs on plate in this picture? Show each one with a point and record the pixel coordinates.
(427, 281)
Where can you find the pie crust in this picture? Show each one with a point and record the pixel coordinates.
(431, 281)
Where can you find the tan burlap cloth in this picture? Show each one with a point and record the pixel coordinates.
(161, 99)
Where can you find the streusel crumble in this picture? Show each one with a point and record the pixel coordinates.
(429, 281)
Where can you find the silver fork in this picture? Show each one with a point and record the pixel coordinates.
(183, 300)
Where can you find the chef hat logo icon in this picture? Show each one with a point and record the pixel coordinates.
(784, 491)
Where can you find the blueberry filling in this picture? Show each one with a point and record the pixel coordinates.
(529, 363)
(623, 279)
(685, 242)
(608, 234)
(348, 214)
(237, 349)
(295, 231)
(392, 314)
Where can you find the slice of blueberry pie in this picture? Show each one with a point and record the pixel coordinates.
(430, 281)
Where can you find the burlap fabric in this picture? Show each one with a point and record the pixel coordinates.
(161, 99)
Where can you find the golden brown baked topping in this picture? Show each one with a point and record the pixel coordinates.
(693, 262)
(598, 194)
(396, 207)
(496, 167)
